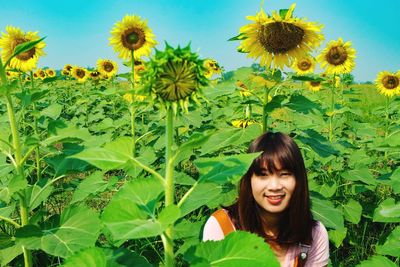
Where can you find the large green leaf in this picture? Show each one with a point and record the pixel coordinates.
(36, 194)
(11, 186)
(301, 104)
(238, 249)
(324, 211)
(360, 174)
(392, 244)
(352, 211)
(337, 236)
(323, 149)
(79, 228)
(23, 47)
(131, 212)
(69, 133)
(53, 111)
(200, 194)
(103, 257)
(92, 185)
(9, 253)
(196, 140)
(387, 211)
(376, 261)
(222, 169)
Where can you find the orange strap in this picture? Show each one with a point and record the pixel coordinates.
(224, 221)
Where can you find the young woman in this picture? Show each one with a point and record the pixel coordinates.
(274, 203)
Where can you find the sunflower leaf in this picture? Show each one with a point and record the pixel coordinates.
(21, 48)
(240, 36)
(283, 12)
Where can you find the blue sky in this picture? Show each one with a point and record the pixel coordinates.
(78, 31)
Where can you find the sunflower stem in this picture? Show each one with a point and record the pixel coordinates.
(35, 129)
(265, 111)
(387, 124)
(169, 189)
(133, 113)
(332, 113)
(18, 158)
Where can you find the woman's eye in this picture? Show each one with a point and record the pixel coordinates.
(285, 173)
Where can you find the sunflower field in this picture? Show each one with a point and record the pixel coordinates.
(104, 168)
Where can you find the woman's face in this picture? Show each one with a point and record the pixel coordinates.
(272, 191)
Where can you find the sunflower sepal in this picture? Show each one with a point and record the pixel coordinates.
(240, 36)
(21, 48)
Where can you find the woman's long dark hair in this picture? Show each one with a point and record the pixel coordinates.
(297, 222)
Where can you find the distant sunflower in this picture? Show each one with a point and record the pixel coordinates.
(11, 75)
(67, 69)
(174, 76)
(304, 65)
(132, 33)
(35, 76)
(242, 123)
(107, 67)
(388, 83)
(27, 60)
(41, 74)
(212, 67)
(338, 57)
(80, 74)
(314, 85)
(50, 73)
(278, 39)
(95, 75)
(243, 90)
(129, 98)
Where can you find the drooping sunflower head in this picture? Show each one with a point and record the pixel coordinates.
(132, 33)
(338, 57)
(80, 74)
(27, 60)
(304, 65)
(50, 73)
(107, 67)
(212, 67)
(314, 86)
(388, 83)
(279, 39)
(174, 76)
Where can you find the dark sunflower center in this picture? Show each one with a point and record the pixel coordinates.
(27, 54)
(80, 73)
(109, 67)
(280, 37)
(133, 38)
(336, 56)
(390, 82)
(95, 74)
(304, 64)
(177, 81)
(315, 84)
(68, 68)
(42, 74)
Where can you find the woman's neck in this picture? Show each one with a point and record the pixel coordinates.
(270, 223)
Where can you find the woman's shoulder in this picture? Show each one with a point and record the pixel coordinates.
(319, 230)
(218, 225)
(319, 250)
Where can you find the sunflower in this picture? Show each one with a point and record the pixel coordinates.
(242, 123)
(279, 39)
(107, 67)
(67, 69)
(50, 73)
(338, 57)
(304, 65)
(132, 34)
(80, 74)
(388, 83)
(35, 75)
(41, 74)
(174, 76)
(11, 75)
(212, 67)
(27, 60)
(314, 86)
(243, 90)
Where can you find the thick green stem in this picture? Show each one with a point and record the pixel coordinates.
(265, 112)
(35, 129)
(332, 113)
(387, 124)
(132, 108)
(18, 158)
(169, 189)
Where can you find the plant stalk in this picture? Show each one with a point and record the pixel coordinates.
(265, 112)
(132, 108)
(169, 189)
(333, 113)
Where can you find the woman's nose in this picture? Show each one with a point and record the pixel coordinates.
(274, 183)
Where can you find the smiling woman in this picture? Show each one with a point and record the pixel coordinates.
(274, 203)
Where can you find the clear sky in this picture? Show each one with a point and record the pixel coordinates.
(78, 30)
